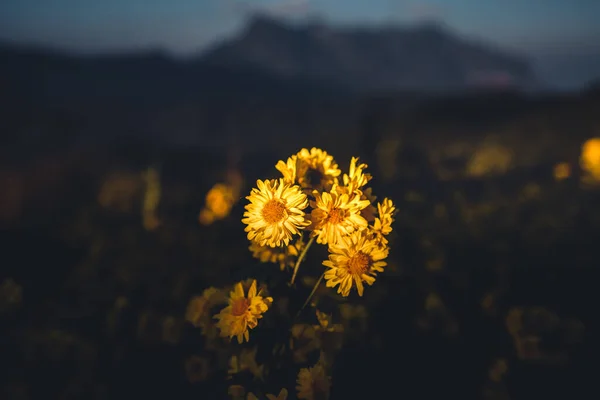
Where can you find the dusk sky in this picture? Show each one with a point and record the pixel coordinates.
(184, 26)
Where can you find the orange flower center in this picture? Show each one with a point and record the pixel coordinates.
(359, 263)
(336, 216)
(273, 211)
(240, 306)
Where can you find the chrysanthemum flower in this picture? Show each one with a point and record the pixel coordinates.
(356, 178)
(336, 215)
(312, 170)
(285, 256)
(382, 225)
(242, 313)
(355, 259)
(313, 383)
(275, 213)
(288, 169)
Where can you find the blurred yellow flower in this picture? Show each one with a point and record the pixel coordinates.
(528, 347)
(151, 199)
(246, 361)
(313, 383)
(514, 321)
(236, 392)
(312, 169)
(242, 313)
(336, 215)
(490, 159)
(198, 309)
(119, 190)
(498, 370)
(275, 213)
(218, 203)
(590, 158)
(562, 171)
(303, 341)
(285, 256)
(357, 258)
(281, 396)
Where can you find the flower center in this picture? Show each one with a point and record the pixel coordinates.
(240, 306)
(336, 216)
(359, 263)
(273, 211)
(314, 177)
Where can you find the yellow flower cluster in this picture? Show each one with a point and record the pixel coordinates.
(242, 312)
(334, 209)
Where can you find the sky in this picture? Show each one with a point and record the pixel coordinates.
(189, 26)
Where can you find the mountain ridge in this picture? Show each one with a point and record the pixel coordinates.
(428, 56)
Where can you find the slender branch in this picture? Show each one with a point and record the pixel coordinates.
(300, 258)
(312, 293)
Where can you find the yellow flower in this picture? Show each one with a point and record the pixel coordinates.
(312, 170)
(357, 259)
(336, 215)
(356, 179)
(382, 225)
(285, 256)
(562, 171)
(590, 158)
(281, 396)
(288, 169)
(242, 313)
(275, 213)
(313, 383)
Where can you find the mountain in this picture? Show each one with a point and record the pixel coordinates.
(40, 76)
(269, 57)
(424, 57)
(568, 70)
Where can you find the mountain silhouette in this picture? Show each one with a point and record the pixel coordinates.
(269, 57)
(41, 76)
(424, 57)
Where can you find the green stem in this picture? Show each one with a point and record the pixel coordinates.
(300, 258)
(312, 293)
